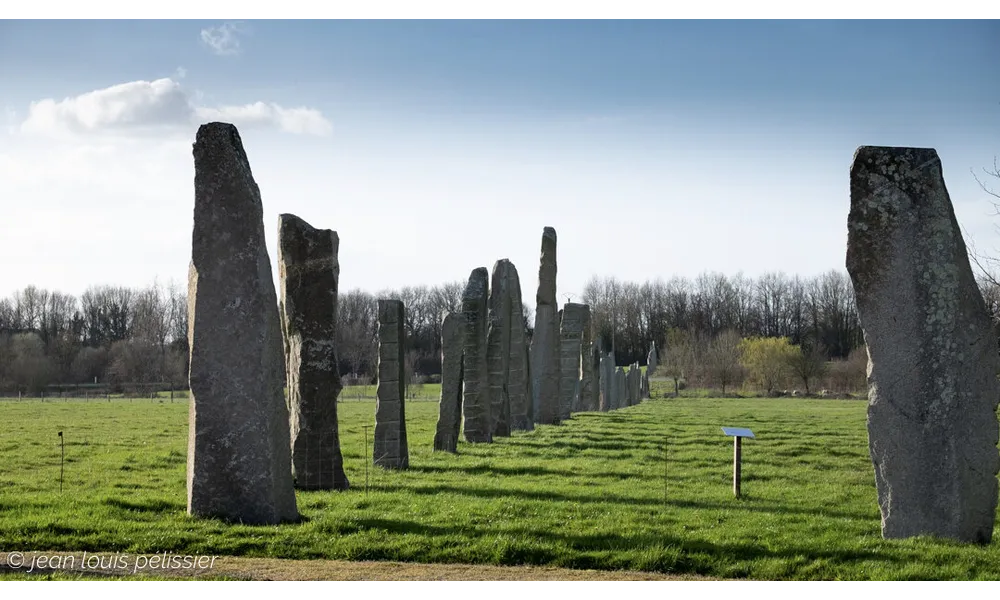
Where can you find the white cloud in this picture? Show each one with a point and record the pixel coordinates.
(180, 73)
(300, 120)
(139, 106)
(224, 40)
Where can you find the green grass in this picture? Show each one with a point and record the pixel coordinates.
(590, 493)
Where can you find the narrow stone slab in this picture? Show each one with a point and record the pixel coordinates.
(450, 409)
(476, 402)
(518, 381)
(933, 364)
(545, 354)
(498, 341)
(607, 382)
(590, 361)
(619, 391)
(572, 319)
(308, 271)
(391, 450)
(652, 359)
(239, 449)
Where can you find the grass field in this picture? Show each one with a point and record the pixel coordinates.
(646, 488)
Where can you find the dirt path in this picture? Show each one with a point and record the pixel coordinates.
(106, 564)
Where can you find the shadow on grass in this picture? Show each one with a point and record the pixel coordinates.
(609, 550)
(517, 471)
(747, 503)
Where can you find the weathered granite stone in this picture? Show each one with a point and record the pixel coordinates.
(652, 359)
(631, 389)
(308, 272)
(239, 449)
(933, 364)
(498, 347)
(391, 450)
(518, 381)
(545, 355)
(572, 320)
(606, 380)
(476, 402)
(589, 398)
(450, 409)
(620, 399)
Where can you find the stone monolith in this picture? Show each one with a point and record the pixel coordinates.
(933, 363)
(391, 450)
(607, 381)
(589, 398)
(572, 320)
(449, 422)
(239, 465)
(308, 272)
(545, 355)
(476, 402)
(518, 380)
(498, 355)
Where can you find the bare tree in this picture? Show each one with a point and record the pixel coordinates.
(807, 362)
(723, 359)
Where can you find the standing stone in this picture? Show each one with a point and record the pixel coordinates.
(391, 450)
(545, 355)
(630, 387)
(450, 409)
(518, 380)
(572, 321)
(308, 271)
(476, 403)
(498, 348)
(932, 357)
(607, 382)
(239, 449)
(590, 367)
(652, 359)
(620, 398)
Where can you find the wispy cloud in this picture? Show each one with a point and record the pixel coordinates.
(137, 106)
(180, 73)
(292, 120)
(224, 39)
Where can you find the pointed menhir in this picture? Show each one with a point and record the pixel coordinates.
(476, 402)
(239, 451)
(545, 356)
(933, 364)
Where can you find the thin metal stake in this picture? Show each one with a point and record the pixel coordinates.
(62, 459)
(665, 440)
(366, 459)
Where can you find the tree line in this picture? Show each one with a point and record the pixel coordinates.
(115, 335)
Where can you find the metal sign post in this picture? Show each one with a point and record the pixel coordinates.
(737, 433)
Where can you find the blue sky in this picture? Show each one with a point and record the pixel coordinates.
(655, 148)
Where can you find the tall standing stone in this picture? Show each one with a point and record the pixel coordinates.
(652, 359)
(590, 367)
(476, 402)
(933, 364)
(607, 382)
(518, 380)
(450, 409)
(498, 347)
(573, 317)
(545, 355)
(239, 450)
(620, 388)
(391, 450)
(308, 271)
